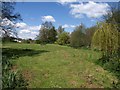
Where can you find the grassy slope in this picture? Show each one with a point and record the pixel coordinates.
(60, 66)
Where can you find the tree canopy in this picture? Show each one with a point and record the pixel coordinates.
(8, 19)
(47, 33)
(77, 38)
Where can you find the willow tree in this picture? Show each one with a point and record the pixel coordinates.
(106, 38)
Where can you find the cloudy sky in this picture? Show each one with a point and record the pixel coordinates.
(64, 12)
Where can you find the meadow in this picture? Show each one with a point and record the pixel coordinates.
(52, 65)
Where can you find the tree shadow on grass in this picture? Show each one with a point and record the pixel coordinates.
(10, 78)
(10, 53)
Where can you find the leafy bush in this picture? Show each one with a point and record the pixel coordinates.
(63, 38)
(37, 41)
(113, 66)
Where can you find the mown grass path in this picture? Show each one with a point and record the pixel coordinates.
(58, 66)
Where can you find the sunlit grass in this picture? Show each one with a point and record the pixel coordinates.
(60, 66)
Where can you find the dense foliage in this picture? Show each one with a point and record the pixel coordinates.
(89, 34)
(63, 38)
(78, 38)
(106, 39)
(47, 33)
(52, 35)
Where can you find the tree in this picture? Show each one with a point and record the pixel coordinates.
(113, 16)
(8, 19)
(60, 30)
(89, 34)
(106, 39)
(47, 33)
(43, 35)
(52, 35)
(77, 38)
(63, 38)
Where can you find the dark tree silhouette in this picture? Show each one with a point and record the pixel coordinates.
(8, 19)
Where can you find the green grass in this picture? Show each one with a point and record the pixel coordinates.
(58, 66)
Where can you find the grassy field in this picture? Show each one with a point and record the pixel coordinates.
(58, 66)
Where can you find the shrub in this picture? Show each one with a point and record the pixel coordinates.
(63, 38)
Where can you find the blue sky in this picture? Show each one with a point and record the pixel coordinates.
(68, 15)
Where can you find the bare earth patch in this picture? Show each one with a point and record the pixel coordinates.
(27, 74)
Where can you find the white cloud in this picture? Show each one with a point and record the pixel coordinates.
(26, 34)
(27, 31)
(25, 26)
(68, 26)
(21, 25)
(24, 31)
(90, 9)
(48, 18)
(34, 27)
(66, 1)
(34, 33)
(73, 26)
(65, 26)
